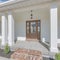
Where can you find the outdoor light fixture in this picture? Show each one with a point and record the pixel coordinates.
(31, 14)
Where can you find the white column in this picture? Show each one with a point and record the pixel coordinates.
(53, 22)
(4, 30)
(10, 29)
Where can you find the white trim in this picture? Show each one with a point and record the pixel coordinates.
(21, 38)
(9, 2)
(5, 2)
(23, 4)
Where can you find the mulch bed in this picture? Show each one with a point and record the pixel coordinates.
(3, 54)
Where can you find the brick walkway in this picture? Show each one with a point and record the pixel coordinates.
(25, 54)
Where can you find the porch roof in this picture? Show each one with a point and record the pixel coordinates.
(15, 4)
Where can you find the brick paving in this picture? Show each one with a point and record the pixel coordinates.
(25, 54)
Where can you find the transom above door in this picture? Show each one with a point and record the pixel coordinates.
(33, 30)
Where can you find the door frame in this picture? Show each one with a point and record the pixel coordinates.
(36, 28)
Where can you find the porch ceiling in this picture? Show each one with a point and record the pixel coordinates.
(16, 4)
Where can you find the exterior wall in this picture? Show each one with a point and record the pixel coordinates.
(22, 17)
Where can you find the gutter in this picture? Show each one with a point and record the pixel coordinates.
(7, 3)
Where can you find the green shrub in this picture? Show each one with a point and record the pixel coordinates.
(7, 49)
(57, 56)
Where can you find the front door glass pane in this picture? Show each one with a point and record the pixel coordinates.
(28, 27)
(33, 27)
(38, 26)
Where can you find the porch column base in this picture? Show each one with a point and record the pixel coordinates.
(53, 50)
